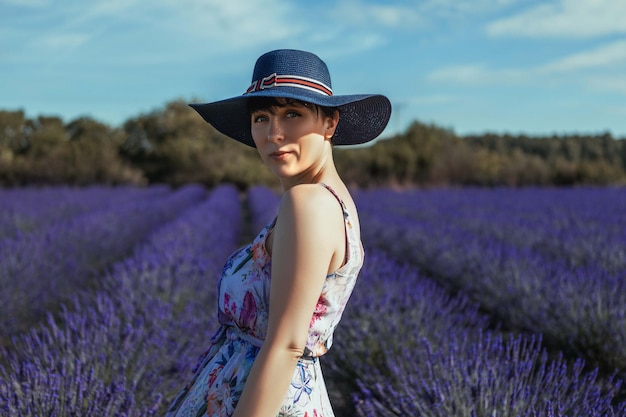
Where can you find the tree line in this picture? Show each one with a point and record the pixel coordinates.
(173, 145)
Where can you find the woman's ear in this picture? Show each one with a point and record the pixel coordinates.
(331, 125)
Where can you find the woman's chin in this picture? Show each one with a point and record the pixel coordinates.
(282, 172)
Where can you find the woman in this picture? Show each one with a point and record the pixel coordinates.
(281, 297)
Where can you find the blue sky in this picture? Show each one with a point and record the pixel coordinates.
(515, 66)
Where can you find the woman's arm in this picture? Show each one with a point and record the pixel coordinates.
(309, 232)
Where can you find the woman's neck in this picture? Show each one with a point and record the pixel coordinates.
(326, 173)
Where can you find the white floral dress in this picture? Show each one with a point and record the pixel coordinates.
(243, 295)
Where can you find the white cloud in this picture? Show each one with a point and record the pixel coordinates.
(605, 57)
(26, 3)
(411, 15)
(597, 71)
(456, 7)
(565, 19)
(110, 7)
(231, 23)
(462, 74)
(426, 100)
(479, 74)
(347, 28)
(76, 12)
(393, 16)
(194, 26)
(352, 43)
(609, 83)
(603, 61)
(223, 27)
(359, 13)
(64, 41)
(226, 28)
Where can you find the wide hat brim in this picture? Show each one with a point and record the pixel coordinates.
(362, 117)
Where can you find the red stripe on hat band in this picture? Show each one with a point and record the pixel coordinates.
(291, 81)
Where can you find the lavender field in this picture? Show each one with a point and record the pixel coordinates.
(472, 302)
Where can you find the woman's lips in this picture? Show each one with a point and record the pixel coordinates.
(278, 156)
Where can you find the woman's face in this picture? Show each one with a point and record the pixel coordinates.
(293, 139)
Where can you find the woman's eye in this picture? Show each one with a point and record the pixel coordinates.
(292, 114)
(259, 118)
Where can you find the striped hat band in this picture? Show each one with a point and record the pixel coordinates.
(275, 80)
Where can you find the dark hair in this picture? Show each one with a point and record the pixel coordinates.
(259, 103)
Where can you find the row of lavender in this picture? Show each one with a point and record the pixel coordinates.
(407, 347)
(28, 209)
(78, 234)
(552, 261)
(125, 347)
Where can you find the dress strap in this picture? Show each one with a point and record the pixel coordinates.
(329, 188)
(353, 245)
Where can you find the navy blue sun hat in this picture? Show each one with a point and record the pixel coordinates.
(300, 75)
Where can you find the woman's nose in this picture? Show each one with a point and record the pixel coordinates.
(274, 130)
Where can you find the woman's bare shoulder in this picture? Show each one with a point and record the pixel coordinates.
(312, 203)
(310, 195)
